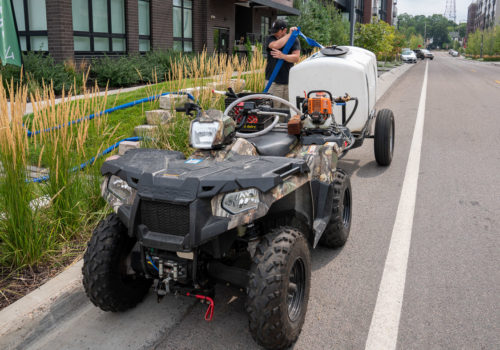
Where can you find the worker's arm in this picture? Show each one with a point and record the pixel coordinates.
(278, 44)
(292, 58)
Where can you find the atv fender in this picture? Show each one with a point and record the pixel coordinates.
(322, 194)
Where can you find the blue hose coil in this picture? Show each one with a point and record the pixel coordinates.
(110, 110)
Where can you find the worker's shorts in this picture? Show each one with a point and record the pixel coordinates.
(279, 90)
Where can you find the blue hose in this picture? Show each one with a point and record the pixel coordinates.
(152, 263)
(91, 160)
(110, 110)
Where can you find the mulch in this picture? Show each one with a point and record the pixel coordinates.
(16, 284)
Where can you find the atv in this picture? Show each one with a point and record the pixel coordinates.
(245, 208)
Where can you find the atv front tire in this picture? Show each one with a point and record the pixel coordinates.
(339, 226)
(278, 288)
(384, 137)
(105, 280)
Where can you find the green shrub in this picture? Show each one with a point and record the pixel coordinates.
(39, 68)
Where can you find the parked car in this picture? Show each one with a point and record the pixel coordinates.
(408, 55)
(424, 53)
(454, 53)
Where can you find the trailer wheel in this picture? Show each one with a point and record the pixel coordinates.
(339, 226)
(278, 288)
(384, 137)
(104, 272)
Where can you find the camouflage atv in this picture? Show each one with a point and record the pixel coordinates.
(245, 209)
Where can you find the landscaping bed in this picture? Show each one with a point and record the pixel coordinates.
(39, 238)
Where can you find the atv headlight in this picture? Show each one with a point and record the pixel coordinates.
(203, 134)
(238, 202)
(119, 188)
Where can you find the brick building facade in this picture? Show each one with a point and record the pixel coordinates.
(74, 29)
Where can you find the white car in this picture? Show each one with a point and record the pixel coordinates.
(408, 56)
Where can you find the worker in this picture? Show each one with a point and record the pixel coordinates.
(274, 47)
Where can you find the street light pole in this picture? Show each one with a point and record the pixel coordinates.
(353, 20)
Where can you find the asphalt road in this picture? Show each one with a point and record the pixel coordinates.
(451, 275)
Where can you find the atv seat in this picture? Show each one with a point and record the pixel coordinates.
(274, 143)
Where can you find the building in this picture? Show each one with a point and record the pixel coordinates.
(385, 10)
(76, 29)
(471, 18)
(483, 14)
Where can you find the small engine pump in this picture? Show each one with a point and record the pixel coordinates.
(317, 109)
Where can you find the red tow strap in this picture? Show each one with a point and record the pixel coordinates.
(210, 310)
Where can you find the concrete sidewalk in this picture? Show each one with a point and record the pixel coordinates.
(52, 308)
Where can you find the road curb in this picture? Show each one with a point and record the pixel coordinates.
(39, 302)
(385, 81)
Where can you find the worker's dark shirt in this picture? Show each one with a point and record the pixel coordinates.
(282, 77)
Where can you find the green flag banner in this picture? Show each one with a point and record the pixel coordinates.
(9, 44)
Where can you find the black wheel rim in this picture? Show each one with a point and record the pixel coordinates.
(296, 289)
(346, 212)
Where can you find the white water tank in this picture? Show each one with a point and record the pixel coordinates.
(354, 72)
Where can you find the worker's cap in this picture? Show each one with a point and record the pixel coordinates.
(278, 25)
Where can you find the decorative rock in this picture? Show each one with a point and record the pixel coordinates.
(170, 101)
(158, 116)
(126, 145)
(145, 130)
(36, 172)
(235, 84)
(40, 203)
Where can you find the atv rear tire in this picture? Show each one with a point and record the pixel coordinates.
(339, 226)
(384, 137)
(104, 271)
(278, 288)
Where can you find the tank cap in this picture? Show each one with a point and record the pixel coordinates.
(334, 50)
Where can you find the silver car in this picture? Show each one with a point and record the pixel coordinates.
(408, 56)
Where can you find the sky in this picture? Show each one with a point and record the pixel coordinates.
(430, 7)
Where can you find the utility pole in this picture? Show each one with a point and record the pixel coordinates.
(425, 34)
(482, 41)
(353, 20)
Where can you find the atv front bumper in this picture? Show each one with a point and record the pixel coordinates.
(177, 205)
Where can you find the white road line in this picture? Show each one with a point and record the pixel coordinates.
(383, 333)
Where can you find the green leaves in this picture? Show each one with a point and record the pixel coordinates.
(322, 22)
(378, 37)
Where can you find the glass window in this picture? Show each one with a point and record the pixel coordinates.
(144, 45)
(22, 42)
(82, 43)
(37, 15)
(100, 16)
(119, 44)
(188, 24)
(264, 26)
(177, 22)
(19, 10)
(39, 43)
(80, 10)
(101, 44)
(144, 26)
(99, 26)
(117, 16)
(31, 21)
(144, 22)
(183, 25)
(177, 45)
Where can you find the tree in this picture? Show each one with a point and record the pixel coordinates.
(377, 37)
(322, 22)
(416, 41)
(462, 30)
